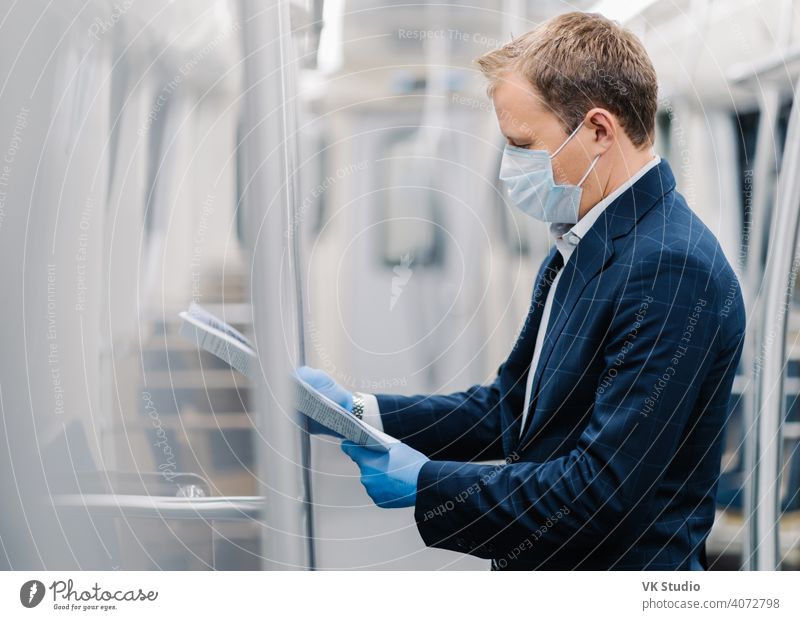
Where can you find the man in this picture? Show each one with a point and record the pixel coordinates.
(609, 411)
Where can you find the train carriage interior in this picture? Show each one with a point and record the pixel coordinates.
(322, 175)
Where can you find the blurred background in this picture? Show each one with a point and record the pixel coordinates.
(322, 174)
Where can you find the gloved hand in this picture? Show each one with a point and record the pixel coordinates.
(322, 382)
(390, 478)
(326, 386)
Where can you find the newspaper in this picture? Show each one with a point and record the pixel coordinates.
(232, 347)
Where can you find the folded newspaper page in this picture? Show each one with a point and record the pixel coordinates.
(232, 347)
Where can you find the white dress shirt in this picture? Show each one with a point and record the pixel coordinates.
(566, 238)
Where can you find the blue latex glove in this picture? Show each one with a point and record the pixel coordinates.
(322, 382)
(390, 478)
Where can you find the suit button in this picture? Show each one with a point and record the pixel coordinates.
(461, 543)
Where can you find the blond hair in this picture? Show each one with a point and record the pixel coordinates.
(577, 61)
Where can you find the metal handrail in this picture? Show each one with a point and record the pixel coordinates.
(761, 219)
(783, 62)
(781, 271)
(234, 508)
(282, 460)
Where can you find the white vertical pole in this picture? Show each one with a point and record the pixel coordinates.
(282, 461)
(781, 273)
(764, 177)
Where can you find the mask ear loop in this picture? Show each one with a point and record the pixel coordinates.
(564, 143)
(591, 166)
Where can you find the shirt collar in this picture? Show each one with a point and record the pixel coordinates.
(567, 236)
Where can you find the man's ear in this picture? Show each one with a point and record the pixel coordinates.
(605, 128)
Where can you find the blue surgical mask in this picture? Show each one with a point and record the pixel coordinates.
(528, 175)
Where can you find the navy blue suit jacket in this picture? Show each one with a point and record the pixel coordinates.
(618, 465)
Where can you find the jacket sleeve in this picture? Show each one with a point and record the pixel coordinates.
(639, 416)
(462, 426)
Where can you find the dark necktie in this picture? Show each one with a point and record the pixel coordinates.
(544, 285)
(546, 281)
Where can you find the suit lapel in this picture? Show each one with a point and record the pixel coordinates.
(592, 254)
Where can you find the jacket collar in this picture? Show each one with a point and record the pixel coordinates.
(567, 236)
(631, 205)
